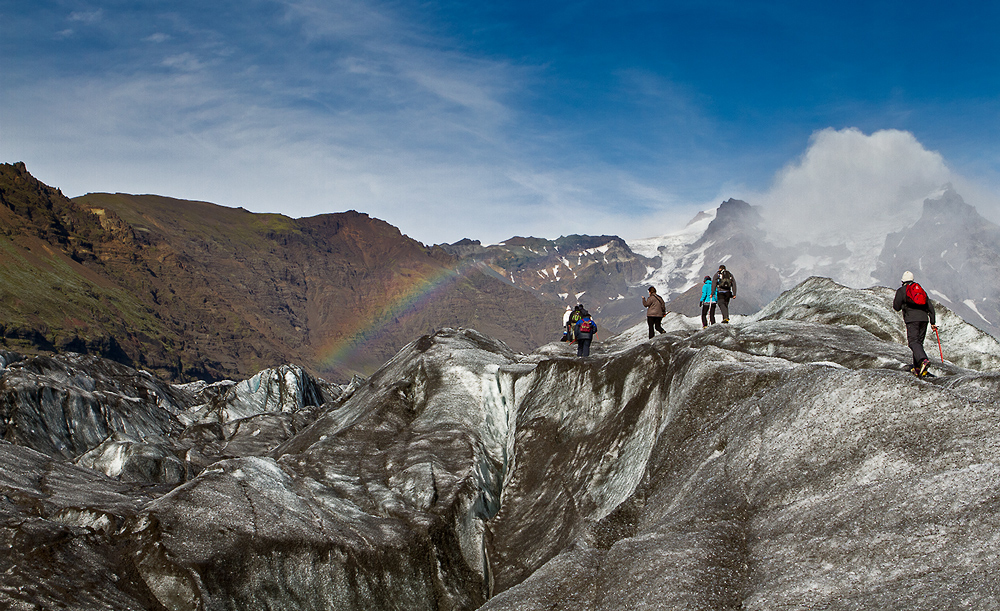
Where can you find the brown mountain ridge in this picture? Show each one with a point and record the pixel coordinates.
(193, 290)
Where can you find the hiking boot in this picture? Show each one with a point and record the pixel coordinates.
(725, 321)
(923, 367)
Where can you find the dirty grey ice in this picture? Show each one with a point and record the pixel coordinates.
(784, 461)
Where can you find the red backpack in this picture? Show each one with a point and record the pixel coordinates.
(915, 295)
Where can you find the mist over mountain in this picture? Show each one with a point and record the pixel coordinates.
(955, 253)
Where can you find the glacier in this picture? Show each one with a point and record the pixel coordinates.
(786, 460)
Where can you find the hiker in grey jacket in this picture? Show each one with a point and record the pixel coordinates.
(916, 317)
(655, 311)
(724, 289)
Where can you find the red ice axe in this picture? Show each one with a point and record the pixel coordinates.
(939, 344)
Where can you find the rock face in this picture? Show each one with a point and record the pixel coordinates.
(783, 461)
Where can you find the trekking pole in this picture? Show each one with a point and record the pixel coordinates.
(939, 344)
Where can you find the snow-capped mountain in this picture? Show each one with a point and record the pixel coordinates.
(951, 248)
(733, 235)
(682, 256)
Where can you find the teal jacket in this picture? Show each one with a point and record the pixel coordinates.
(706, 292)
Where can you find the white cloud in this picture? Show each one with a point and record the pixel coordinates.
(848, 184)
(186, 62)
(87, 16)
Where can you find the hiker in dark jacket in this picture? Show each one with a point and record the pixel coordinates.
(707, 303)
(916, 316)
(724, 289)
(655, 311)
(586, 330)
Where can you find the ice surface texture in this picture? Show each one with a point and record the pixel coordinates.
(785, 461)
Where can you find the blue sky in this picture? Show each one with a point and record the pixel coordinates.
(494, 119)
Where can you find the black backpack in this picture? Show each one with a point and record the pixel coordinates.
(725, 280)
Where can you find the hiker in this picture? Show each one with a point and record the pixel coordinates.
(724, 289)
(655, 311)
(707, 303)
(567, 328)
(574, 317)
(586, 330)
(918, 311)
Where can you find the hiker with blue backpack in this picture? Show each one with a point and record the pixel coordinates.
(918, 312)
(586, 330)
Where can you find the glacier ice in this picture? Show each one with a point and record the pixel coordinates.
(786, 460)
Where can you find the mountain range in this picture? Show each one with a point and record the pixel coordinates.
(953, 251)
(192, 290)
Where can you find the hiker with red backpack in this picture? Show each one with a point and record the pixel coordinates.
(918, 311)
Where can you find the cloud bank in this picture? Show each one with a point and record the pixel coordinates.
(848, 185)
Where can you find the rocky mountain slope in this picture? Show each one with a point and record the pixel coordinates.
(783, 461)
(195, 290)
(599, 271)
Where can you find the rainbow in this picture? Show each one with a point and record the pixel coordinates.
(368, 329)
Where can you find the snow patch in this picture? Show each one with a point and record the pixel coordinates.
(972, 306)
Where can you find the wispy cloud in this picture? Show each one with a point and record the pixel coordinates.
(87, 17)
(562, 123)
(391, 122)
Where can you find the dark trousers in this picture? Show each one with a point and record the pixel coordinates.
(583, 346)
(915, 334)
(707, 310)
(724, 305)
(654, 323)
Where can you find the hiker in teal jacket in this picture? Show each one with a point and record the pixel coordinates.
(707, 303)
